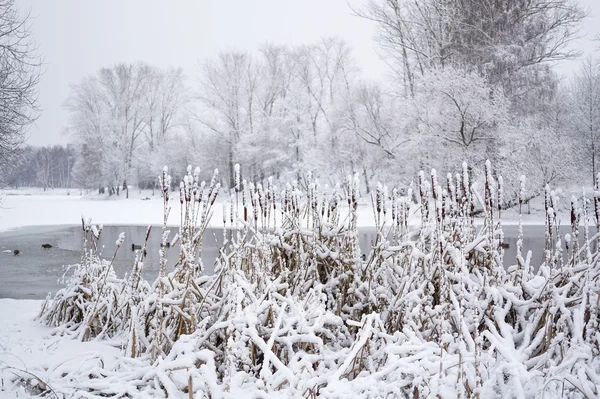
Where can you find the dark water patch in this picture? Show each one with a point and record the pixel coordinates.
(36, 271)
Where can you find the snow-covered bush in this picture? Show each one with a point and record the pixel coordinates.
(295, 310)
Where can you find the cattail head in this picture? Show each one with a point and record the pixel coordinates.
(213, 183)
(573, 211)
(500, 191)
(394, 203)
(200, 191)
(236, 177)
(231, 208)
(120, 240)
(244, 184)
(165, 182)
(378, 197)
(215, 193)
(465, 180)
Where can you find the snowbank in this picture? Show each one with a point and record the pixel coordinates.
(29, 350)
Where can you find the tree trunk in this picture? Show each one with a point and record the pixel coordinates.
(366, 177)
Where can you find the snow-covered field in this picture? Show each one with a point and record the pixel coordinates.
(33, 207)
(29, 350)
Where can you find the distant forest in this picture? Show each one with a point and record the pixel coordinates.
(47, 167)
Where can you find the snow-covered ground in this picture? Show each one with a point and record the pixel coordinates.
(34, 207)
(29, 350)
(30, 207)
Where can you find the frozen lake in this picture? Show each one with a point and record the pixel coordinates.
(36, 271)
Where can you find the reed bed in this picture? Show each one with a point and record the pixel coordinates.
(294, 309)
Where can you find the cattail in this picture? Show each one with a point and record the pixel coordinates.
(575, 229)
(253, 200)
(200, 192)
(451, 194)
(165, 182)
(597, 202)
(586, 232)
(295, 200)
(255, 205)
(434, 184)
(458, 185)
(500, 199)
(236, 177)
(384, 200)
(333, 202)
(271, 193)
(213, 183)
(286, 197)
(489, 181)
(244, 201)
(394, 204)
(311, 196)
(465, 181)
(423, 198)
(349, 182)
(406, 207)
(181, 192)
(378, 195)
(231, 208)
(215, 193)
(521, 193)
(262, 199)
(315, 199)
(324, 201)
(500, 194)
(549, 218)
(355, 191)
(120, 240)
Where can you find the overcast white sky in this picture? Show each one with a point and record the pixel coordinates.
(78, 37)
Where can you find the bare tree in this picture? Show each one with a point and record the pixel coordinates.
(585, 111)
(166, 94)
(508, 42)
(227, 89)
(20, 69)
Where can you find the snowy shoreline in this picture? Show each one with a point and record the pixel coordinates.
(31, 207)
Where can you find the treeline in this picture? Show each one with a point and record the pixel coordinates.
(468, 82)
(47, 167)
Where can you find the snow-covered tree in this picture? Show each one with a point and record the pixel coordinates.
(122, 110)
(584, 99)
(460, 117)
